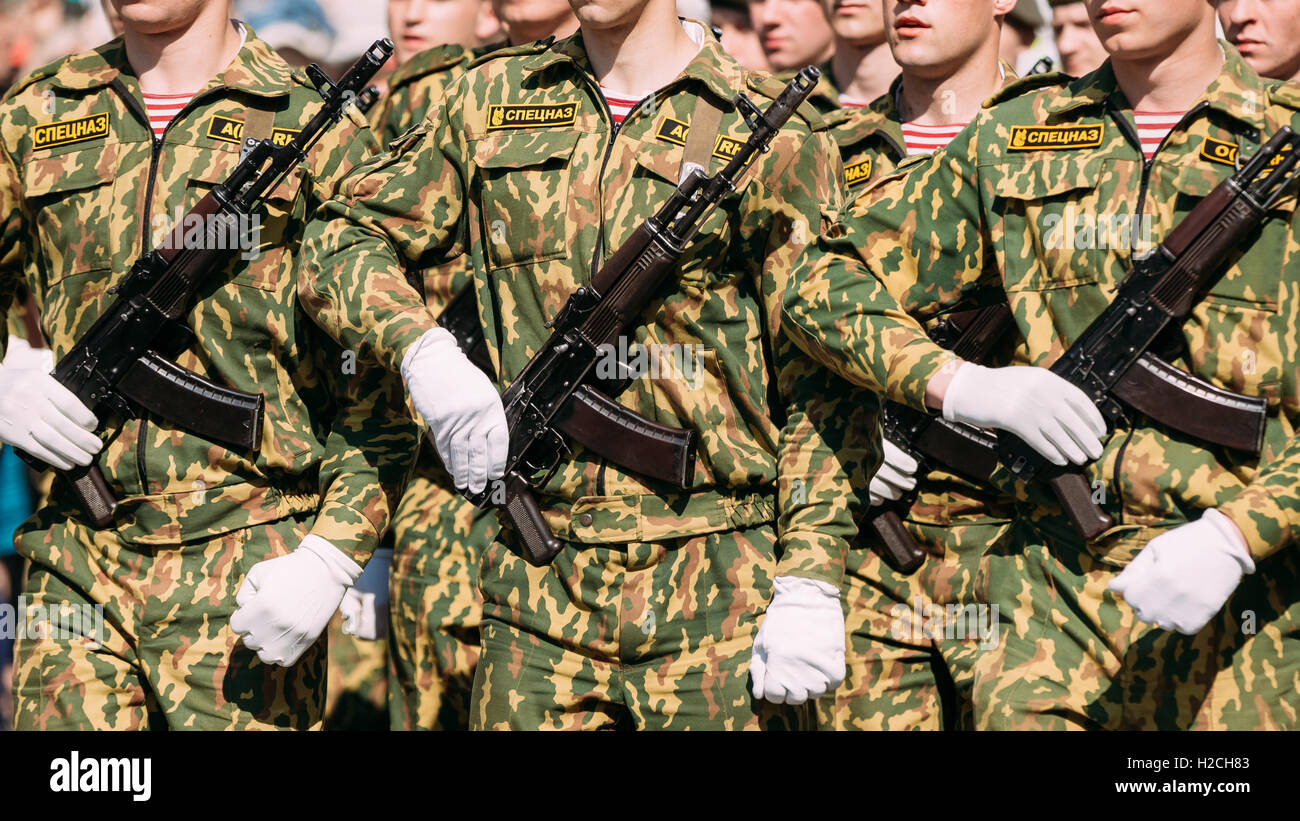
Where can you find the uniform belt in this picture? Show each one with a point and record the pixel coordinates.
(647, 517)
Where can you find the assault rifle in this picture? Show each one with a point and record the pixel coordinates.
(1112, 361)
(123, 364)
(934, 442)
(540, 403)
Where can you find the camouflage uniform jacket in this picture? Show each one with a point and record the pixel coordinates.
(419, 83)
(996, 213)
(525, 170)
(85, 189)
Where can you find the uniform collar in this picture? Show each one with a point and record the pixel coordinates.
(711, 66)
(1238, 91)
(256, 69)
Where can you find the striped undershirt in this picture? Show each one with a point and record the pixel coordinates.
(619, 107)
(1153, 126)
(926, 139)
(162, 108)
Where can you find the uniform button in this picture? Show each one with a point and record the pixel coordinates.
(585, 520)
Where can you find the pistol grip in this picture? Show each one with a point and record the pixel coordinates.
(92, 494)
(540, 545)
(1075, 496)
(894, 544)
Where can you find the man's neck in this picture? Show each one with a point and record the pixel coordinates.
(952, 97)
(862, 72)
(1173, 81)
(643, 56)
(184, 60)
(559, 29)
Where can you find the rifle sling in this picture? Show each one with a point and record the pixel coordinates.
(1189, 404)
(706, 119)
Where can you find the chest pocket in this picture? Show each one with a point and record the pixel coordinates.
(258, 245)
(524, 195)
(71, 199)
(1058, 230)
(704, 263)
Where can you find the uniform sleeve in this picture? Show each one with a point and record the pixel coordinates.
(1268, 509)
(369, 452)
(393, 213)
(12, 229)
(911, 246)
(830, 440)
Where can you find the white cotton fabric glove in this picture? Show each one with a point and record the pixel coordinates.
(365, 605)
(1182, 578)
(1052, 416)
(799, 650)
(466, 420)
(897, 475)
(41, 417)
(285, 602)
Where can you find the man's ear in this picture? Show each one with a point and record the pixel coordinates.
(1002, 8)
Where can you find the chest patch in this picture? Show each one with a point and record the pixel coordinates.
(232, 131)
(67, 132)
(1054, 137)
(503, 117)
(675, 131)
(857, 173)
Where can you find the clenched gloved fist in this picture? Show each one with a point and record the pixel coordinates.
(466, 421)
(897, 475)
(799, 650)
(1052, 416)
(285, 602)
(41, 417)
(1182, 578)
(365, 605)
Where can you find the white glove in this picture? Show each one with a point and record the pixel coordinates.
(41, 417)
(21, 356)
(285, 602)
(897, 475)
(463, 409)
(365, 605)
(1052, 416)
(1182, 578)
(799, 650)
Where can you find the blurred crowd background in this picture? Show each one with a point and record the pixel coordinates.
(774, 35)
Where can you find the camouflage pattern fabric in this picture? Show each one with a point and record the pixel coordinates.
(905, 669)
(437, 536)
(870, 138)
(356, 691)
(1007, 207)
(557, 189)
(435, 606)
(83, 190)
(165, 657)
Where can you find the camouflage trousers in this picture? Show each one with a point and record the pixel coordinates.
(357, 681)
(164, 655)
(434, 607)
(642, 635)
(912, 639)
(1075, 657)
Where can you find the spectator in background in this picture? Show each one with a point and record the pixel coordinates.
(739, 39)
(1076, 41)
(793, 33)
(297, 29)
(1019, 31)
(529, 20)
(114, 19)
(1267, 33)
(417, 25)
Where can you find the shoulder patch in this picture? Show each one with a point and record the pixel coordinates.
(858, 172)
(1025, 85)
(67, 132)
(1287, 94)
